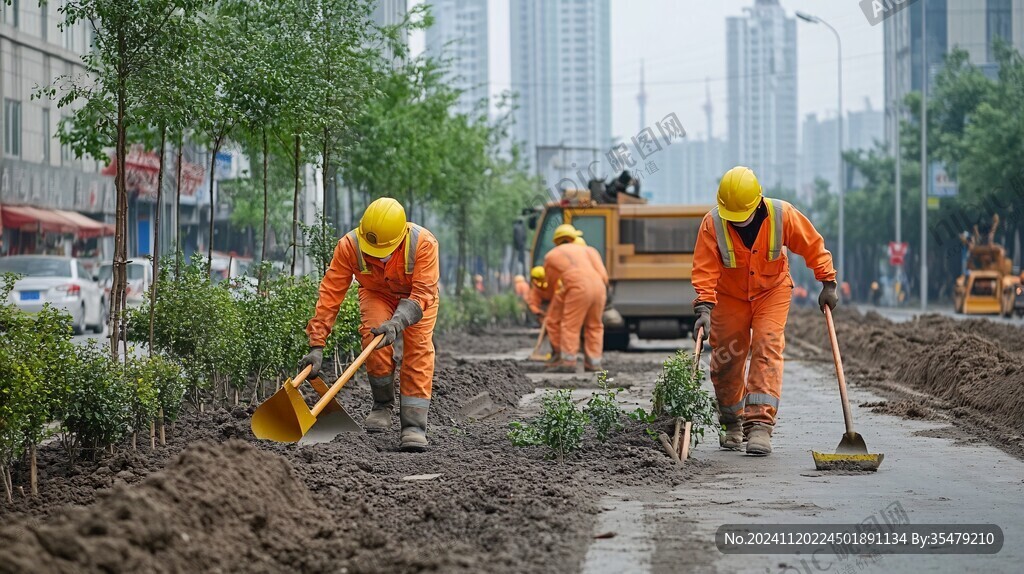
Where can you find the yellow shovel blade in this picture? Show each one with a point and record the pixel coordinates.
(283, 417)
(837, 461)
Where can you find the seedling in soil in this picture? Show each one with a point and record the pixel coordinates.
(678, 393)
(559, 427)
(603, 409)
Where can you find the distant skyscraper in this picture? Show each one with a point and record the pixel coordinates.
(818, 156)
(762, 93)
(459, 35)
(390, 13)
(973, 25)
(561, 70)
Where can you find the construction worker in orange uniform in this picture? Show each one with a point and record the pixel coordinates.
(740, 270)
(520, 287)
(540, 302)
(581, 297)
(396, 265)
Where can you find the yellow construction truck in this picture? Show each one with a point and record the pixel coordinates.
(989, 287)
(648, 250)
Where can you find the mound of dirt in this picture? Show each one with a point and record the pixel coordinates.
(210, 507)
(905, 409)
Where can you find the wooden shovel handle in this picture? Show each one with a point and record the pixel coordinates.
(540, 338)
(301, 376)
(351, 370)
(838, 359)
(698, 346)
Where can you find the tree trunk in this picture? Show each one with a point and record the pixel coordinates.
(163, 435)
(177, 210)
(460, 267)
(117, 292)
(295, 202)
(33, 469)
(156, 236)
(263, 248)
(213, 205)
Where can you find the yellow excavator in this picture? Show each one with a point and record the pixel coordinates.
(989, 287)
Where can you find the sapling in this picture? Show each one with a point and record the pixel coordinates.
(678, 393)
(559, 427)
(603, 409)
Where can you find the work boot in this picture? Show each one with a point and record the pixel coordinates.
(383, 389)
(733, 438)
(554, 358)
(562, 366)
(414, 424)
(759, 439)
(592, 365)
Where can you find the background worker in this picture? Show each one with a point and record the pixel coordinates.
(540, 301)
(740, 270)
(581, 295)
(396, 265)
(520, 287)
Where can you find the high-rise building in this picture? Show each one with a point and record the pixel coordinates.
(459, 36)
(861, 130)
(973, 25)
(561, 71)
(390, 13)
(762, 93)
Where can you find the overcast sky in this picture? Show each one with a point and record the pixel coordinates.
(682, 43)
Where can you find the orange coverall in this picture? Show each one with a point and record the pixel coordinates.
(521, 289)
(581, 298)
(381, 285)
(751, 306)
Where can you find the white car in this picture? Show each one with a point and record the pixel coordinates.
(137, 284)
(63, 282)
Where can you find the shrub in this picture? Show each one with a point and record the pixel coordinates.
(678, 393)
(506, 309)
(168, 379)
(559, 426)
(96, 410)
(603, 409)
(143, 394)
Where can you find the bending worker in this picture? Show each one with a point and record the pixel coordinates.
(581, 298)
(396, 265)
(740, 270)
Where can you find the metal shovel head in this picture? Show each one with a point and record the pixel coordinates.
(851, 454)
(329, 425)
(284, 417)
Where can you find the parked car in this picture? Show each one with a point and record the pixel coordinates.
(63, 282)
(138, 282)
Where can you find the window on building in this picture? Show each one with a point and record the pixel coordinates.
(69, 37)
(999, 24)
(10, 13)
(65, 150)
(44, 20)
(12, 127)
(46, 136)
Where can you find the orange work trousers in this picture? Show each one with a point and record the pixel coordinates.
(417, 374)
(757, 328)
(581, 312)
(553, 323)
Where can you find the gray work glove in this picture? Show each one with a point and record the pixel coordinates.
(314, 357)
(407, 313)
(828, 296)
(703, 311)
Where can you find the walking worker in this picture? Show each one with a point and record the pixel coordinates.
(740, 270)
(520, 287)
(580, 293)
(396, 265)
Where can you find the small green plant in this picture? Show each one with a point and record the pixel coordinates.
(647, 418)
(97, 410)
(678, 393)
(559, 427)
(603, 409)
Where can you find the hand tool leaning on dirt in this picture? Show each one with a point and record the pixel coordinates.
(285, 417)
(536, 355)
(851, 453)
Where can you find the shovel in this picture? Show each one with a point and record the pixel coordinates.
(852, 453)
(285, 417)
(536, 355)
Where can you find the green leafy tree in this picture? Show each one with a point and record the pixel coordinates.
(678, 393)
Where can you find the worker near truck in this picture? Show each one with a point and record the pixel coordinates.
(580, 296)
(395, 263)
(741, 277)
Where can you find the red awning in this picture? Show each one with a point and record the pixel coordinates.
(36, 219)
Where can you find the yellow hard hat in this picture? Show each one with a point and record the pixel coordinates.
(537, 273)
(565, 233)
(739, 194)
(579, 241)
(382, 228)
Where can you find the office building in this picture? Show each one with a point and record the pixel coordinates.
(459, 38)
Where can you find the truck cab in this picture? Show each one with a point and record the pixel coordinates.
(648, 250)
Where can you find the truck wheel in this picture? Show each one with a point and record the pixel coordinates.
(616, 340)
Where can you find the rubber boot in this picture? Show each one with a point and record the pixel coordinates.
(383, 389)
(562, 366)
(734, 436)
(759, 439)
(414, 427)
(555, 357)
(592, 365)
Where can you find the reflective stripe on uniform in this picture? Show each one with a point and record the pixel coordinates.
(762, 399)
(416, 402)
(360, 262)
(412, 239)
(725, 245)
(733, 409)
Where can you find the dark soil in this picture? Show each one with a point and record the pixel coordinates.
(970, 372)
(216, 499)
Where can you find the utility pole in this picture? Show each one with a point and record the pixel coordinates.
(924, 155)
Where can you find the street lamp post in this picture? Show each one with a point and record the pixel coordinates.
(841, 172)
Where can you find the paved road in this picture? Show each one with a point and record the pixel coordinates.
(900, 314)
(933, 480)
